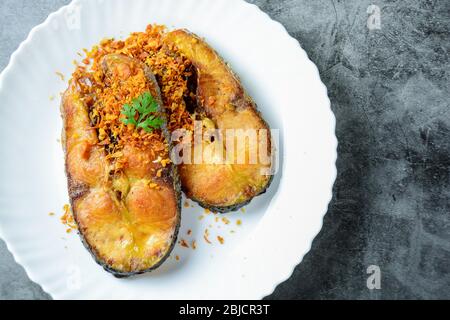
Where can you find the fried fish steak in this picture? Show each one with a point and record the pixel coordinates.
(222, 104)
(128, 219)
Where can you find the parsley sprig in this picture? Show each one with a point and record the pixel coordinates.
(144, 108)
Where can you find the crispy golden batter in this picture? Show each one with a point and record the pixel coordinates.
(170, 69)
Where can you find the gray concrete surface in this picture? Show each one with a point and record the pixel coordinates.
(389, 90)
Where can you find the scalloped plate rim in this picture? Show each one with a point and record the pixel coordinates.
(275, 24)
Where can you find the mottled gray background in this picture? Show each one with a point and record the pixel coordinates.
(389, 90)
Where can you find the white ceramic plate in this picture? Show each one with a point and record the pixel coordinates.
(277, 228)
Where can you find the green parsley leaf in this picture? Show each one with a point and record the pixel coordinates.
(144, 107)
(130, 113)
(151, 123)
